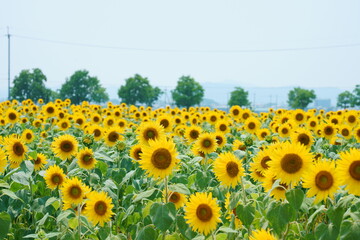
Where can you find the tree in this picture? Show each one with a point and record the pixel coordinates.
(239, 97)
(345, 99)
(356, 94)
(300, 98)
(82, 87)
(30, 85)
(188, 92)
(137, 90)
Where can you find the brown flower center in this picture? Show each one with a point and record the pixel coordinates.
(29, 136)
(87, 159)
(291, 163)
(165, 123)
(96, 119)
(213, 118)
(245, 116)
(79, 121)
(299, 117)
(113, 136)
(64, 125)
(18, 149)
(236, 112)
(100, 208)
(259, 174)
(223, 127)
(174, 197)
(66, 146)
(313, 124)
(351, 119)
(37, 161)
(204, 212)
(12, 116)
(304, 139)
(264, 162)
(57, 179)
(219, 140)
(284, 131)
(354, 170)
(97, 132)
(207, 143)
(324, 180)
(194, 134)
(137, 153)
(150, 133)
(345, 132)
(161, 158)
(232, 169)
(50, 110)
(328, 130)
(110, 122)
(251, 125)
(75, 191)
(263, 134)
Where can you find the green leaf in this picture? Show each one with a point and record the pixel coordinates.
(11, 194)
(180, 188)
(221, 236)
(100, 156)
(311, 218)
(43, 219)
(295, 197)
(4, 184)
(325, 232)
(50, 201)
(279, 216)
(147, 233)
(184, 228)
(246, 213)
(110, 183)
(350, 230)
(73, 223)
(143, 195)
(227, 230)
(163, 215)
(31, 236)
(63, 215)
(5, 221)
(21, 177)
(335, 215)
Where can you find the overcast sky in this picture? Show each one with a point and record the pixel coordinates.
(303, 43)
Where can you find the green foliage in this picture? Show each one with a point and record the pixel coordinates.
(300, 98)
(345, 99)
(82, 87)
(356, 92)
(137, 90)
(187, 92)
(239, 97)
(30, 85)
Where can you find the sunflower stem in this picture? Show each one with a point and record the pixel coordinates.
(79, 219)
(243, 190)
(286, 231)
(32, 202)
(166, 190)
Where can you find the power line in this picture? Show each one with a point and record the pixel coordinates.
(187, 51)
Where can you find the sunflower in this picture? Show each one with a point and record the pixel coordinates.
(351, 117)
(230, 213)
(220, 139)
(39, 162)
(322, 180)
(98, 208)
(235, 111)
(328, 130)
(135, 152)
(65, 146)
(206, 142)
(299, 116)
(86, 158)
(222, 126)
(166, 122)
(15, 149)
(278, 192)
(302, 136)
(252, 124)
(256, 174)
(261, 161)
(349, 170)
(284, 130)
(11, 116)
(290, 161)
(96, 118)
(73, 190)
(202, 213)
(150, 131)
(49, 110)
(64, 124)
(356, 133)
(178, 199)
(239, 145)
(158, 158)
(27, 136)
(261, 234)
(3, 161)
(192, 133)
(345, 131)
(112, 135)
(245, 114)
(54, 177)
(228, 169)
(109, 122)
(262, 133)
(96, 130)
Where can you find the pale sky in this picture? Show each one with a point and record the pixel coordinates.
(248, 43)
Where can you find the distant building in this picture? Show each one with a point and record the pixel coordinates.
(322, 103)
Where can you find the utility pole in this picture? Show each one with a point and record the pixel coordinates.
(8, 35)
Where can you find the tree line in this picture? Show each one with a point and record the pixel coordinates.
(137, 90)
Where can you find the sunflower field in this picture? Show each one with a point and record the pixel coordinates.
(125, 172)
